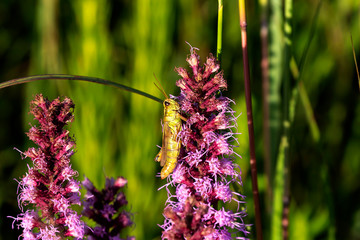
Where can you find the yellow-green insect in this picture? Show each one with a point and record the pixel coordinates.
(170, 149)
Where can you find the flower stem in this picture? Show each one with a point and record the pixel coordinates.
(242, 13)
(219, 30)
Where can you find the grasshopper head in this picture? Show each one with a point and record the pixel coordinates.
(171, 105)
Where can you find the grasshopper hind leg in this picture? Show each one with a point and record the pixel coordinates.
(168, 168)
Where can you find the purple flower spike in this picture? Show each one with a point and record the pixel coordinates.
(104, 208)
(186, 223)
(203, 176)
(49, 186)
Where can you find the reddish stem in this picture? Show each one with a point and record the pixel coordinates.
(243, 24)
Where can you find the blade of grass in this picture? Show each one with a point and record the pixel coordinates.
(29, 79)
(219, 30)
(264, 4)
(311, 36)
(281, 188)
(281, 202)
(275, 73)
(276, 61)
(243, 24)
(356, 66)
(309, 113)
(286, 119)
(300, 89)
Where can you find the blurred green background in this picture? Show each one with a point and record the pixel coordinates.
(117, 132)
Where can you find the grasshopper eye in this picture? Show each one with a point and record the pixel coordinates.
(167, 103)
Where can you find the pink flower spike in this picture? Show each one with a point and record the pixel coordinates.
(49, 185)
(206, 165)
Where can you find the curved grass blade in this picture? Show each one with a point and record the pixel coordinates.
(300, 89)
(17, 81)
(281, 199)
(296, 71)
(304, 97)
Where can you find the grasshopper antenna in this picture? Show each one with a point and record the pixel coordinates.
(160, 88)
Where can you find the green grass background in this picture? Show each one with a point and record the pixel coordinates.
(117, 132)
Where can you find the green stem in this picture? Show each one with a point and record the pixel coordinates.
(17, 81)
(219, 30)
